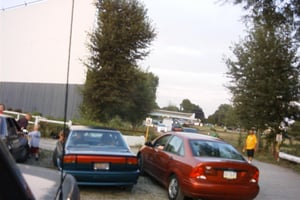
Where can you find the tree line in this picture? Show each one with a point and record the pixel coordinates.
(263, 73)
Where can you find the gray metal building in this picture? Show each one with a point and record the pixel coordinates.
(45, 98)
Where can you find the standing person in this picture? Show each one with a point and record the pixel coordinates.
(61, 140)
(34, 138)
(23, 122)
(2, 108)
(250, 145)
(57, 153)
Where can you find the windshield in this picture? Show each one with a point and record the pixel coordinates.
(203, 148)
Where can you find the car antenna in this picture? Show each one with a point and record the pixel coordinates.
(66, 103)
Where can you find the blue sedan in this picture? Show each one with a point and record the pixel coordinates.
(98, 156)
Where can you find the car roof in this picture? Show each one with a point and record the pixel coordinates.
(81, 127)
(190, 135)
(189, 128)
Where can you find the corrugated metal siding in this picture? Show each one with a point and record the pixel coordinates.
(45, 98)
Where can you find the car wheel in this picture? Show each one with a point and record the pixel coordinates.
(24, 154)
(174, 191)
(141, 164)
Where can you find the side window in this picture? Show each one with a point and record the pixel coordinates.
(161, 142)
(175, 146)
(11, 129)
(205, 148)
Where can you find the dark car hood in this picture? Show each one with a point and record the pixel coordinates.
(44, 183)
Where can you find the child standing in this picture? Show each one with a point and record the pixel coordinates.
(35, 137)
(250, 145)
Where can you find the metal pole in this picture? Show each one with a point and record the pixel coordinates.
(66, 99)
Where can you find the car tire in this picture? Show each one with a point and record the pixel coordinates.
(174, 190)
(141, 164)
(24, 154)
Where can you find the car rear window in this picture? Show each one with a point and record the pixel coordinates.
(95, 138)
(203, 148)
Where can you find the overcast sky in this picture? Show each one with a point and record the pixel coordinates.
(187, 55)
(193, 36)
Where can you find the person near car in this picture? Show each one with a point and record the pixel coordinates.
(2, 108)
(250, 145)
(34, 141)
(23, 122)
(61, 140)
(58, 151)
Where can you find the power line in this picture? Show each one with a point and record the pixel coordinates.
(25, 3)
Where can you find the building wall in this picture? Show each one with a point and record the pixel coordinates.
(47, 99)
(34, 41)
(34, 44)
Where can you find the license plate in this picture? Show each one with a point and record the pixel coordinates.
(229, 175)
(101, 166)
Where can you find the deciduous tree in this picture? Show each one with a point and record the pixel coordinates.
(114, 81)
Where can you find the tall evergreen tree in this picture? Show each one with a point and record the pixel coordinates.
(121, 38)
(264, 76)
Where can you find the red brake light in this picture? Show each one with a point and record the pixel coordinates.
(69, 159)
(198, 172)
(255, 177)
(132, 161)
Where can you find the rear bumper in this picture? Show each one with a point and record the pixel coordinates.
(217, 191)
(105, 178)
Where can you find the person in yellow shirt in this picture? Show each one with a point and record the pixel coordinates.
(250, 145)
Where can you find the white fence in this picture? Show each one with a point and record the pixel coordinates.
(289, 157)
(38, 119)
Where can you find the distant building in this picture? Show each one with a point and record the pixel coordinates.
(173, 114)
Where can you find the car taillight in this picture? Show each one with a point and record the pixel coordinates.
(69, 159)
(132, 161)
(255, 176)
(198, 172)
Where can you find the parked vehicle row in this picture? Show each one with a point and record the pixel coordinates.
(187, 164)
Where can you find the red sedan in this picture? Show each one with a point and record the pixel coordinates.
(198, 166)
